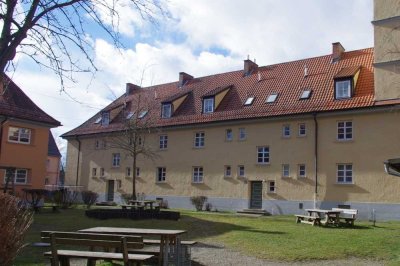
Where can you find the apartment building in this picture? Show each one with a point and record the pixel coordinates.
(279, 138)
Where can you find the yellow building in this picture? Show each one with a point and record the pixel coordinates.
(279, 138)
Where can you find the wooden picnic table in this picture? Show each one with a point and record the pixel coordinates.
(326, 216)
(169, 239)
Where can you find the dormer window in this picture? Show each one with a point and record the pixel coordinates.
(208, 105)
(166, 110)
(143, 114)
(249, 101)
(272, 98)
(105, 118)
(305, 94)
(343, 89)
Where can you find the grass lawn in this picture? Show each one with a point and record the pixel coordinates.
(273, 238)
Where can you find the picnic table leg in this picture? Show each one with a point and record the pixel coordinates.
(91, 262)
(163, 259)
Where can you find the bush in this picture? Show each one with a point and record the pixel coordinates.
(65, 198)
(14, 223)
(126, 197)
(208, 206)
(198, 202)
(89, 198)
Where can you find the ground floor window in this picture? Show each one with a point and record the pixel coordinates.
(241, 172)
(345, 173)
(20, 176)
(302, 170)
(228, 171)
(161, 174)
(197, 174)
(271, 186)
(285, 170)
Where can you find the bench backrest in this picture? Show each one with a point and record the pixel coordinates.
(352, 212)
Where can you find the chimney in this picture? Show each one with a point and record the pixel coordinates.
(183, 78)
(337, 51)
(130, 88)
(249, 67)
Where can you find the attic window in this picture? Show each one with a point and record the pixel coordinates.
(272, 98)
(343, 89)
(105, 118)
(166, 110)
(143, 114)
(129, 115)
(98, 120)
(305, 94)
(249, 100)
(208, 105)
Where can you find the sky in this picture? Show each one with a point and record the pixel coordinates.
(200, 38)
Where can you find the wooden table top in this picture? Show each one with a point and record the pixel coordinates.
(132, 231)
(322, 211)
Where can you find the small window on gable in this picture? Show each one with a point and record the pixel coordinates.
(105, 118)
(305, 94)
(166, 110)
(208, 105)
(143, 114)
(249, 101)
(98, 120)
(272, 98)
(129, 115)
(343, 89)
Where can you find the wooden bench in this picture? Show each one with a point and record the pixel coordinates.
(157, 242)
(348, 215)
(119, 243)
(308, 219)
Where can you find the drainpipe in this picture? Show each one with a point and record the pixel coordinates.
(79, 156)
(315, 158)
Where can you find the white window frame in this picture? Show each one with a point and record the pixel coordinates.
(343, 89)
(161, 176)
(198, 174)
(343, 129)
(94, 171)
(229, 134)
(102, 172)
(285, 170)
(105, 118)
(166, 110)
(137, 171)
(263, 155)
(301, 133)
(21, 135)
(208, 105)
(346, 173)
(301, 170)
(199, 139)
(241, 171)
(286, 132)
(163, 143)
(271, 186)
(16, 177)
(228, 171)
(128, 171)
(116, 159)
(242, 133)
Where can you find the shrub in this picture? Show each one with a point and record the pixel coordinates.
(14, 223)
(208, 206)
(65, 198)
(198, 202)
(89, 198)
(126, 197)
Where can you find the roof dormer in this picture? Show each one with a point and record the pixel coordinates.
(213, 98)
(345, 82)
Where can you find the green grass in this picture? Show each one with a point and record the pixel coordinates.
(274, 238)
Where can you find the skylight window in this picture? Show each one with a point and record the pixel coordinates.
(129, 115)
(249, 100)
(98, 120)
(143, 114)
(272, 98)
(306, 94)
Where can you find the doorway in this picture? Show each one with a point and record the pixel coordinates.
(256, 195)
(110, 190)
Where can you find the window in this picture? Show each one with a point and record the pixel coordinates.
(345, 173)
(128, 171)
(139, 140)
(271, 187)
(163, 142)
(305, 94)
(286, 131)
(129, 115)
(242, 133)
(345, 130)
(343, 89)
(241, 172)
(94, 171)
(166, 110)
(116, 159)
(20, 176)
(105, 118)
(262, 155)
(101, 171)
(208, 105)
(97, 144)
(104, 144)
(228, 171)
(161, 174)
(302, 170)
(285, 170)
(19, 135)
(272, 98)
(143, 114)
(249, 100)
(98, 120)
(119, 183)
(302, 130)
(197, 174)
(229, 135)
(137, 171)
(199, 139)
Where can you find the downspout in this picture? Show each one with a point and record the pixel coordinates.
(79, 156)
(315, 159)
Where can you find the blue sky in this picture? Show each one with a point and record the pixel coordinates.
(200, 38)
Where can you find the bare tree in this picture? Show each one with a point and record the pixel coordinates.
(48, 31)
(132, 139)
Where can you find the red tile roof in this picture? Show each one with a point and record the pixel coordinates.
(15, 103)
(286, 79)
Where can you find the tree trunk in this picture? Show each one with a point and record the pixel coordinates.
(134, 178)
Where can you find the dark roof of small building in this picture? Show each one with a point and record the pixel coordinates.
(288, 80)
(52, 147)
(15, 103)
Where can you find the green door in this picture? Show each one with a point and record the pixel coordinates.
(110, 190)
(256, 195)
